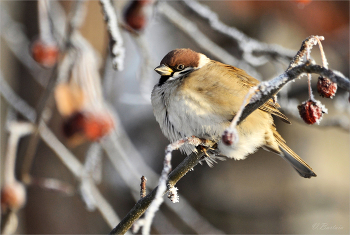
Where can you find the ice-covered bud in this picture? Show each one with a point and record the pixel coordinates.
(326, 88)
(311, 111)
(173, 195)
(13, 196)
(46, 54)
(229, 137)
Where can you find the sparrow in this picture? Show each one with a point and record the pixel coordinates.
(197, 96)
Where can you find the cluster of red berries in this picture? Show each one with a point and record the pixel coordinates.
(311, 111)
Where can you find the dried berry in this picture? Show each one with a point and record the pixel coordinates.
(97, 126)
(91, 126)
(326, 88)
(74, 124)
(311, 111)
(137, 13)
(13, 196)
(45, 54)
(229, 137)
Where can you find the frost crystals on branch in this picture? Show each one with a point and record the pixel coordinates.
(162, 185)
(250, 47)
(116, 40)
(267, 90)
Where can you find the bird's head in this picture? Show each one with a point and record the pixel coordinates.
(179, 63)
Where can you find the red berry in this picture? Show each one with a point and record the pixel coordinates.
(229, 137)
(45, 54)
(311, 111)
(74, 124)
(13, 195)
(136, 14)
(326, 88)
(97, 126)
(92, 126)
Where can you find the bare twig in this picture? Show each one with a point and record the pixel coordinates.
(70, 161)
(93, 162)
(52, 185)
(13, 194)
(250, 47)
(202, 40)
(12, 32)
(76, 18)
(141, 206)
(9, 223)
(143, 189)
(17, 131)
(116, 40)
(15, 101)
(173, 178)
(45, 31)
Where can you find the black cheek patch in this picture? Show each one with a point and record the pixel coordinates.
(162, 80)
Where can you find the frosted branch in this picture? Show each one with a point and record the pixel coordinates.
(17, 130)
(202, 40)
(130, 163)
(93, 162)
(266, 90)
(45, 31)
(250, 47)
(116, 40)
(15, 101)
(67, 158)
(12, 33)
(142, 205)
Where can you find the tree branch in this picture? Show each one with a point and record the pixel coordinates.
(141, 206)
(261, 93)
(250, 47)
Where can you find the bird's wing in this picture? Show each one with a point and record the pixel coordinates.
(248, 81)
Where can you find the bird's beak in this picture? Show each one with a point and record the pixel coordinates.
(164, 70)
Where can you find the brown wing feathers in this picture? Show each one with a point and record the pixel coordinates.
(248, 81)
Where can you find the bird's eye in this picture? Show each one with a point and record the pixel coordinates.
(180, 67)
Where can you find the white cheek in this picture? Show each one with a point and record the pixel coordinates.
(175, 76)
(203, 60)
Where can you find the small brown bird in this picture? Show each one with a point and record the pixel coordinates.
(197, 96)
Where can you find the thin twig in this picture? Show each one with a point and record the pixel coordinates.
(71, 162)
(17, 131)
(143, 190)
(53, 185)
(15, 101)
(12, 33)
(141, 206)
(45, 31)
(202, 40)
(116, 40)
(248, 45)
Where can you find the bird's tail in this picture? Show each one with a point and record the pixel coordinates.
(293, 159)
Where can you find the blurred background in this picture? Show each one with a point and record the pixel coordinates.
(261, 194)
